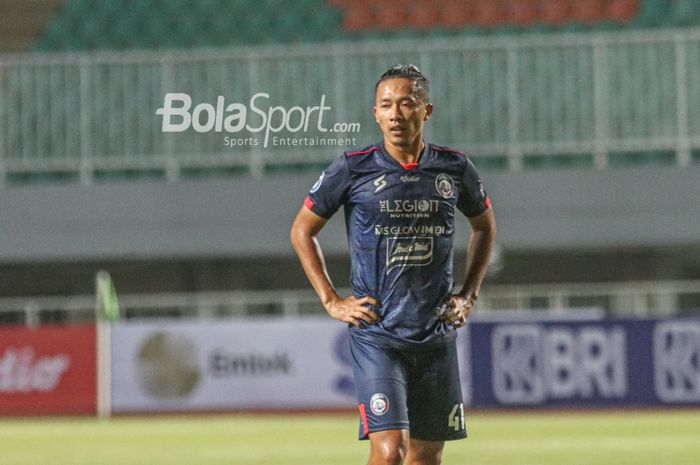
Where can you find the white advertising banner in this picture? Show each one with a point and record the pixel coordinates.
(241, 364)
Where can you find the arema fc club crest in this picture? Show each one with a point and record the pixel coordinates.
(379, 404)
(444, 185)
(318, 183)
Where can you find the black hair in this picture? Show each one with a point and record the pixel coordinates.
(419, 81)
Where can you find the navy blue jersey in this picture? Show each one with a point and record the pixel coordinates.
(400, 227)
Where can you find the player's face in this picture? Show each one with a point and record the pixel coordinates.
(400, 113)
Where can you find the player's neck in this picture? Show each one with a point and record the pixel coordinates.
(405, 155)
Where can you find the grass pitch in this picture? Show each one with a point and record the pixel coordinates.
(605, 438)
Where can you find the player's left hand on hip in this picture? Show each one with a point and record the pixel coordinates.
(458, 309)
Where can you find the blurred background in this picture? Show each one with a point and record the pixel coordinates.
(582, 117)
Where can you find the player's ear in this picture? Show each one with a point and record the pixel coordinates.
(428, 111)
(374, 112)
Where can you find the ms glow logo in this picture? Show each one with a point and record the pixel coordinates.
(234, 117)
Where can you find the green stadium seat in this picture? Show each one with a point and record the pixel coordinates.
(490, 163)
(695, 156)
(684, 13)
(652, 13)
(627, 159)
(558, 161)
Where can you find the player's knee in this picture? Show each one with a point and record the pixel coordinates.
(424, 454)
(391, 456)
(389, 453)
(426, 458)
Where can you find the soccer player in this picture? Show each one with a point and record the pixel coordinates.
(400, 197)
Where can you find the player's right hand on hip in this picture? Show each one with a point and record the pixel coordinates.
(354, 310)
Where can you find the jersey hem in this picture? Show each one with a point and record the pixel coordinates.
(402, 344)
(402, 425)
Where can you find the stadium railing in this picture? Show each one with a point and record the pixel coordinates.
(630, 299)
(514, 102)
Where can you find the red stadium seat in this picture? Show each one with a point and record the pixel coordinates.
(622, 10)
(423, 15)
(556, 12)
(525, 12)
(458, 13)
(358, 18)
(587, 11)
(492, 13)
(391, 14)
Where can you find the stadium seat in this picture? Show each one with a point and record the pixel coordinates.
(652, 13)
(587, 12)
(422, 15)
(558, 161)
(622, 11)
(695, 156)
(492, 13)
(684, 13)
(555, 13)
(457, 13)
(626, 159)
(391, 15)
(526, 13)
(356, 19)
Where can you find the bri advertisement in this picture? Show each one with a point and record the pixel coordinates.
(608, 363)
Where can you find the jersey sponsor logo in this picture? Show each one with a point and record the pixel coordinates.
(379, 404)
(444, 185)
(379, 183)
(677, 361)
(533, 363)
(318, 183)
(420, 230)
(408, 251)
(409, 208)
(408, 178)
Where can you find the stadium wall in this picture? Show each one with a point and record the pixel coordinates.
(558, 360)
(246, 217)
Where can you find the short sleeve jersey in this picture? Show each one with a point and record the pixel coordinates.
(400, 227)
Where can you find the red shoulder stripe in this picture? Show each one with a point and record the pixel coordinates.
(361, 152)
(309, 203)
(441, 149)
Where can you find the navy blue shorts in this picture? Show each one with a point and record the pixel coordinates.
(416, 390)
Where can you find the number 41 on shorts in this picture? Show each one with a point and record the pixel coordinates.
(456, 419)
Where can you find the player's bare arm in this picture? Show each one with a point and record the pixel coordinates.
(305, 228)
(481, 243)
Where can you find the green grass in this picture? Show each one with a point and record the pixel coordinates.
(605, 438)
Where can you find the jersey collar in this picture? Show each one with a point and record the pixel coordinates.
(407, 166)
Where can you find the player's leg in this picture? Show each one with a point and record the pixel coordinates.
(380, 381)
(435, 407)
(424, 452)
(388, 447)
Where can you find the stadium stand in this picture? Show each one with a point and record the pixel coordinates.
(156, 24)
(127, 24)
(555, 89)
